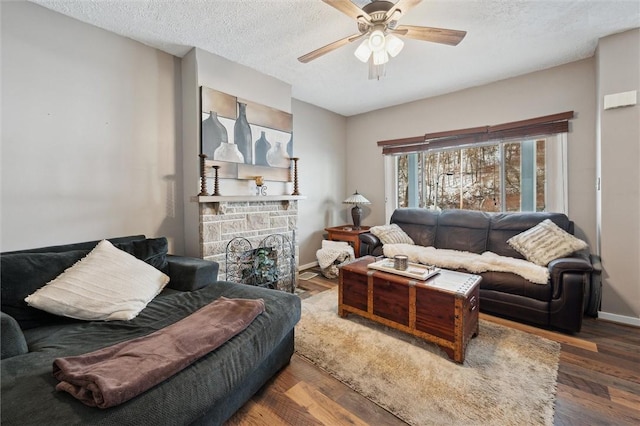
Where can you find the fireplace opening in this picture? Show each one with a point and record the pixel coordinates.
(270, 265)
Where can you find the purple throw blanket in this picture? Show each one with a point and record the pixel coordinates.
(115, 374)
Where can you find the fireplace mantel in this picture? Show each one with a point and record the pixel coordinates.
(251, 198)
(216, 200)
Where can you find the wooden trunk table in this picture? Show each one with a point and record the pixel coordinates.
(443, 309)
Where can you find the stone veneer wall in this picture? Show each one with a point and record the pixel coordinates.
(253, 220)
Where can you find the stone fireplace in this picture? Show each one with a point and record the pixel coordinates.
(223, 218)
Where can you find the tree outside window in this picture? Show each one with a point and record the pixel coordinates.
(491, 177)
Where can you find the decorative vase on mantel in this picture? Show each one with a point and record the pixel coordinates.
(262, 147)
(213, 134)
(242, 134)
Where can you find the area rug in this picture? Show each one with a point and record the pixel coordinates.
(508, 377)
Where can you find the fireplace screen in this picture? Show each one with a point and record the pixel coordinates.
(270, 265)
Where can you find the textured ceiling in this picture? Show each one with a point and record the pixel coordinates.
(505, 38)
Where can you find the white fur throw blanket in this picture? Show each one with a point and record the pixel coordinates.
(472, 262)
(333, 251)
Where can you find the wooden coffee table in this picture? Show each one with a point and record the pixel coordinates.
(442, 309)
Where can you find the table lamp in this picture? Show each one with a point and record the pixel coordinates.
(356, 211)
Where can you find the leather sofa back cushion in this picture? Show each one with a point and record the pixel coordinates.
(463, 230)
(472, 231)
(419, 224)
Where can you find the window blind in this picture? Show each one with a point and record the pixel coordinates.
(539, 126)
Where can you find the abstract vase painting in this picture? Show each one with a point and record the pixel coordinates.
(257, 138)
(242, 134)
(213, 134)
(261, 149)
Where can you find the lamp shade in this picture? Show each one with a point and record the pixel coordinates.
(356, 211)
(356, 198)
(363, 52)
(380, 57)
(377, 40)
(394, 45)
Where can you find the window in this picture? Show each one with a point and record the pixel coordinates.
(518, 166)
(499, 176)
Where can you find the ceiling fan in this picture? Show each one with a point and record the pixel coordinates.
(378, 25)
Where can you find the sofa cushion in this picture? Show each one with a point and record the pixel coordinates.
(216, 380)
(545, 242)
(463, 230)
(108, 284)
(85, 245)
(506, 282)
(13, 342)
(23, 274)
(151, 250)
(419, 224)
(507, 225)
(391, 234)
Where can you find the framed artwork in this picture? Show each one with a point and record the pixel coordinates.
(244, 138)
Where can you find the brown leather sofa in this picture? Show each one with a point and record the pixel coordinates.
(559, 305)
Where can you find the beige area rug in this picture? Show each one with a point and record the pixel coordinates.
(508, 377)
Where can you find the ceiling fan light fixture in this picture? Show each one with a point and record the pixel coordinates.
(377, 41)
(376, 72)
(380, 57)
(363, 52)
(394, 45)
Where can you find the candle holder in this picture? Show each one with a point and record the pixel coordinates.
(295, 176)
(261, 188)
(203, 176)
(216, 183)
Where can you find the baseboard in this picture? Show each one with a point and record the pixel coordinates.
(619, 318)
(307, 266)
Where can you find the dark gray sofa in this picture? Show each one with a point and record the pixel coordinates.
(208, 391)
(559, 305)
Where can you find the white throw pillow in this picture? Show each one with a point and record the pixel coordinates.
(391, 234)
(545, 242)
(108, 284)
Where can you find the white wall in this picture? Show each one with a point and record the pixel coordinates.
(320, 137)
(618, 66)
(89, 133)
(564, 88)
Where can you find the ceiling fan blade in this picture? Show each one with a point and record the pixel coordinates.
(328, 48)
(434, 35)
(402, 6)
(348, 8)
(399, 32)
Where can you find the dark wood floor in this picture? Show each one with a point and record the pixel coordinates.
(598, 382)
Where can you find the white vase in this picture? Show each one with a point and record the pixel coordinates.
(228, 152)
(277, 156)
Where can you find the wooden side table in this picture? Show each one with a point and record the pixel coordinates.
(348, 234)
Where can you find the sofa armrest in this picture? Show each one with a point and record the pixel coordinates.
(12, 339)
(579, 263)
(594, 294)
(191, 273)
(369, 245)
(570, 283)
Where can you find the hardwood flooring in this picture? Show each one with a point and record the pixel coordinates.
(598, 381)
